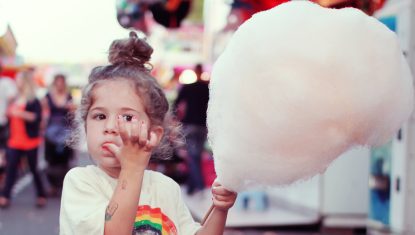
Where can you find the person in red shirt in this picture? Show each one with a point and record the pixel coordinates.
(24, 115)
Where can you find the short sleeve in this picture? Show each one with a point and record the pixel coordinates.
(187, 225)
(82, 205)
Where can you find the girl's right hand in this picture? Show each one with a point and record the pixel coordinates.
(138, 143)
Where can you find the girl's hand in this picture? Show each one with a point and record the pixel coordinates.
(14, 112)
(223, 199)
(138, 143)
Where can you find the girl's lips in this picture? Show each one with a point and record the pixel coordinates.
(109, 142)
(105, 148)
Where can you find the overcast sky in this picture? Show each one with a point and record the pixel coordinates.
(69, 31)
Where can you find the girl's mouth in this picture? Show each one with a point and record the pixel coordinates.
(106, 149)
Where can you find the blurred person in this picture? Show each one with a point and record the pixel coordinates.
(194, 97)
(124, 130)
(24, 114)
(58, 106)
(7, 92)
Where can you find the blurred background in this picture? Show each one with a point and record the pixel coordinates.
(366, 191)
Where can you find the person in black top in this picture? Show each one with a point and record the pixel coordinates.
(58, 105)
(195, 98)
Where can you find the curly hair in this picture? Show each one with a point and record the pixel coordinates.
(129, 61)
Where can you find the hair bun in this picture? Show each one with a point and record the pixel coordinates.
(131, 51)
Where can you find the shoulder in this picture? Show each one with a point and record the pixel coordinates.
(77, 172)
(80, 175)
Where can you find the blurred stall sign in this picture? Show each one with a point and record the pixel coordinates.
(8, 42)
(196, 12)
(183, 46)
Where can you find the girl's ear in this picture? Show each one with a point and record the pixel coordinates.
(159, 131)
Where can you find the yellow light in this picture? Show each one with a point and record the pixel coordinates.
(188, 76)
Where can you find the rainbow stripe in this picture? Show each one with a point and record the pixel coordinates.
(152, 219)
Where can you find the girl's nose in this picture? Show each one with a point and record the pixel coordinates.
(111, 126)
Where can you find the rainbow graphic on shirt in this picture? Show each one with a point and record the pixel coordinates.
(152, 221)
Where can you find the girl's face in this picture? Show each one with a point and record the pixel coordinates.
(20, 83)
(110, 99)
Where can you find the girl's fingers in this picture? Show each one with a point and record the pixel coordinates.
(216, 183)
(122, 129)
(152, 142)
(128, 128)
(222, 198)
(223, 205)
(221, 191)
(135, 131)
(143, 134)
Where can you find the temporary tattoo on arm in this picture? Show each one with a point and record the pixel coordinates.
(124, 184)
(111, 208)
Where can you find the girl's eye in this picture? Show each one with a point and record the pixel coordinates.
(99, 116)
(128, 118)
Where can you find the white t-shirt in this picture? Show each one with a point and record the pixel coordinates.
(7, 90)
(88, 190)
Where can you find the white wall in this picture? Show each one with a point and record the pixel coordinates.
(303, 194)
(345, 184)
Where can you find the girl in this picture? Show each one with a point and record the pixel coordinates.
(25, 117)
(124, 113)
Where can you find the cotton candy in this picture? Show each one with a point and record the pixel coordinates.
(297, 86)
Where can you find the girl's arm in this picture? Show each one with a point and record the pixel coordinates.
(223, 200)
(25, 115)
(122, 209)
(31, 114)
(134, 156)
(45, 113)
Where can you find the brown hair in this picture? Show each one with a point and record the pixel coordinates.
(129, 62)
(29, 85)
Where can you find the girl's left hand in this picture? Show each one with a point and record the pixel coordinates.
(137, 144)
(223, 199)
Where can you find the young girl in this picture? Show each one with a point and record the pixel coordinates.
(124, 113)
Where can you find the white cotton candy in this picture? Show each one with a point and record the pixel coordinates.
(297, 86)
